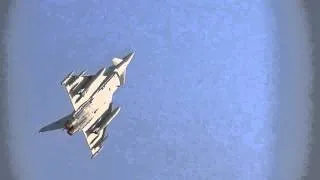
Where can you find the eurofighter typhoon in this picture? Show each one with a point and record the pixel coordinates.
(91, 98)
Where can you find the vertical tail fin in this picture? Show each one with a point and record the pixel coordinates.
(57, 124)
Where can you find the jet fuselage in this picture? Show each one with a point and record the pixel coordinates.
(91, 98)
(101, 90)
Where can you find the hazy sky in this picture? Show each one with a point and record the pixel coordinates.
(201, 100)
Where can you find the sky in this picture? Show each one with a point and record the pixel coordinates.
(217, 89)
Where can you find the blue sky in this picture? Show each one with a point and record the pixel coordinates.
(200, 96)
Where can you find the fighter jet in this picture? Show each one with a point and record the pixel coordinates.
(91, 98)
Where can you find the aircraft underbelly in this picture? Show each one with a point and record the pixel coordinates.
(91, 97)
(113, 84)
(100, 105)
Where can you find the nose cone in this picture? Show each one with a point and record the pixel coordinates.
(128, 57)
(122, 66)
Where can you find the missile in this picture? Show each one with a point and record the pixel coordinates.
(101, 72)
(83, 73)
(77, 81)
(106, 120)
(100, 141)
(78, 96)
(66, 79)
(98, 123)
